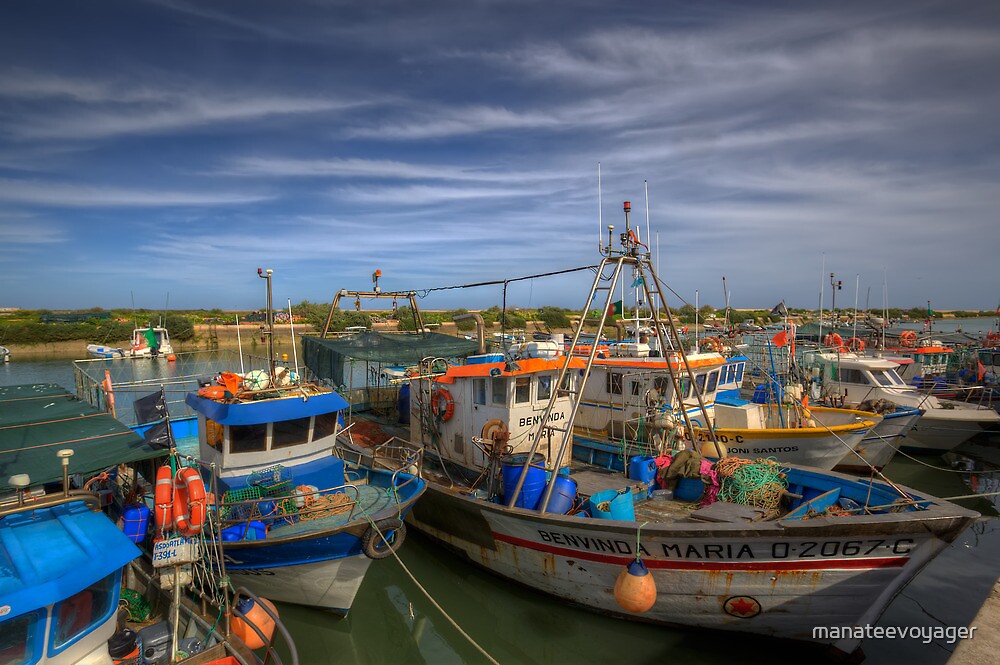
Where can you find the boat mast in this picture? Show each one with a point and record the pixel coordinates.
(268, 322)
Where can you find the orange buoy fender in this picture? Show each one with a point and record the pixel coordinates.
(164, 497)
(212, 392)
(442, 404)
(908, 338)
(635, 589)
(189, 501)
(254, 615)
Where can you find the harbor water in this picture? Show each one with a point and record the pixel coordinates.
(395, 620)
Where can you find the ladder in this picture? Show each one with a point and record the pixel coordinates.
(638, 259)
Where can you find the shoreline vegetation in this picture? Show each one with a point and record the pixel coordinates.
(41, 334)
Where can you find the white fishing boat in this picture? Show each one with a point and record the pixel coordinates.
(849, 378)
(146, 342)
(819, 549)
(4, 354)
(632, 398)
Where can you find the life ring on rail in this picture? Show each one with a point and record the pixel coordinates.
(212, 392)
(164, 497)
(442, 404)
(712, 344)
(856, 344)
(189, 501)
(383, 538)
(908, 338)
(834, 340)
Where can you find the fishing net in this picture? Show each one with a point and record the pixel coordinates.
(759, 483)
(326, 358)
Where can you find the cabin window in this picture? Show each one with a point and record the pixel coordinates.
(522, 389)
(846, 375)
(699, 380)
(662, 385)
(326, 425)
(499, 390)
(289, 432)
(247, 438)
(544, 387)
(713, 382)
(479, 391)
(614, 383)
(887, 378)
(567, 383)
(634, 387)
(18, 637)
(82, 611)
(738, 373)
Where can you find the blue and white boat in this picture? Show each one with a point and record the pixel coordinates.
(299, 524)
(61, 562)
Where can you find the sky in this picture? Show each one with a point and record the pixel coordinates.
(155, 153)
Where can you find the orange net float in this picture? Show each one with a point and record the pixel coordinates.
(908, 338)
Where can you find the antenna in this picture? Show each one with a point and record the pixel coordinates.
(291, 325)
(269, 332)
(600, 220)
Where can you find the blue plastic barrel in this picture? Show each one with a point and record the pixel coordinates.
(689, 489)
(403, 404)
(534, 481)
(620, 506)
(563, 495)
(135, 522)
(643, 469)
(256, 530)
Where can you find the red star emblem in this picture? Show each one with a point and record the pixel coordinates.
(743, 607)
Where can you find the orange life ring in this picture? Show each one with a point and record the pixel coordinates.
(164, 515)
(189, 501)
(834, 340)
(908, 338)
(442, 404)
(993, 338)
(212, 392)
(856, 344)
(712, 344)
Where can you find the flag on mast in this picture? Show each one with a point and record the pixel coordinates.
(615, 308)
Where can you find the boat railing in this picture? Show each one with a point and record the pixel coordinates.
(312, 505)
(396, 455)
(16, 504)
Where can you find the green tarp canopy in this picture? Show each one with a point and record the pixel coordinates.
(38, 420)
(326, 357)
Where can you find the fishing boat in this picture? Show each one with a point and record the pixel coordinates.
(146, 342)
(74, 587)
(4, 354)
(299, 524)
(849, 378)
(505, 492)
(632, 398)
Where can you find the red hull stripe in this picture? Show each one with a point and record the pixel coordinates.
(680, 564)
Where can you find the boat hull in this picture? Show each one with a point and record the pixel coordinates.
(943, 429)
(880, 444)
(780, 579)
(330, 585)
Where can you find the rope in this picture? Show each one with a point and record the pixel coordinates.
(60, 443)
(759, 484)
(424, 292)
(53, 422)
(428, 595)
(21, 399)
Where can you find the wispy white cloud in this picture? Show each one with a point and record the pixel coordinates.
(67, 195)
(18, 228)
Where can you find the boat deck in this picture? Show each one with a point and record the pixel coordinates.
(370, 501)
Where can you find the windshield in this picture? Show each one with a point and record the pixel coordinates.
(887, 378)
